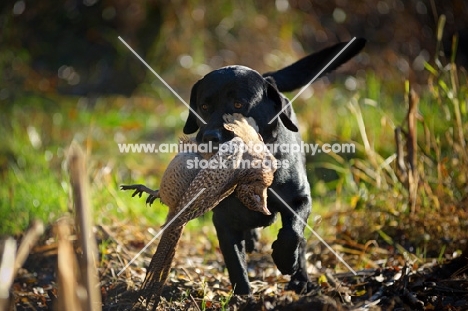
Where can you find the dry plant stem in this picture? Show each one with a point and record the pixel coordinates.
(195, 303)
(440, 31)
(411, 146)
(353, 106)
(110, 235)
(7, 270)
(400, 158)
(89, 275)
(11, 263)
(29, 240)
(67, 267)
(456, 110)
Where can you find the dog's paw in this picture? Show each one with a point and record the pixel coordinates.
(286, 251)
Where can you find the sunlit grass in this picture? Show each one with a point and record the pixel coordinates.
(38, 132)
(40, 129)
(35, 181)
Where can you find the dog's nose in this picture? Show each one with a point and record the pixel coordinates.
(212, 135)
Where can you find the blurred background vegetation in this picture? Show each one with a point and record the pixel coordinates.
(64, 76)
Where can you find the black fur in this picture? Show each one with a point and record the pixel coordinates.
(243, 90)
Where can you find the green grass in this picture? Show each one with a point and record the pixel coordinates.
(32, 180)
(40, 128)
(38, 131)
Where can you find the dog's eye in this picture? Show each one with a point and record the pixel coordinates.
(238, 105)
(204, 107)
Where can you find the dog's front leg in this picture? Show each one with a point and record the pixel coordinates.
(231, 243)
(289, 248)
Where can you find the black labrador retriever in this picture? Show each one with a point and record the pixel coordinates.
(238, 89)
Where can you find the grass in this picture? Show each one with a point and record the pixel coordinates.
(32, 159)
(39, 130)
(365, 205)
(361, 202)
(40, 126)
(31, 190)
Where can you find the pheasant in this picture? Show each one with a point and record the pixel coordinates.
(248, 169)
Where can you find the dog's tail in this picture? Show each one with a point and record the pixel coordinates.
(304, 70)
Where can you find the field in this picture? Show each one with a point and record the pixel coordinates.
(395, 210)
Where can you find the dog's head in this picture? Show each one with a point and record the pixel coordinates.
(236, 89)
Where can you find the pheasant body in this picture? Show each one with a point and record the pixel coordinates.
(238, 166)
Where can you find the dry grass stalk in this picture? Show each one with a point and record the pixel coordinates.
(353, 106)
(12, 260)
(68, 298)
(401, 170)
(407, 167)
(28, 241)
(412, 146)
(88, 262)
(7, 271)
(376, 167)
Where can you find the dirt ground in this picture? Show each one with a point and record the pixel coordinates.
(199, 281)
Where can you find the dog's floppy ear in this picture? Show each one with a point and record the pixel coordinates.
(280, 103)
(191, 125)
